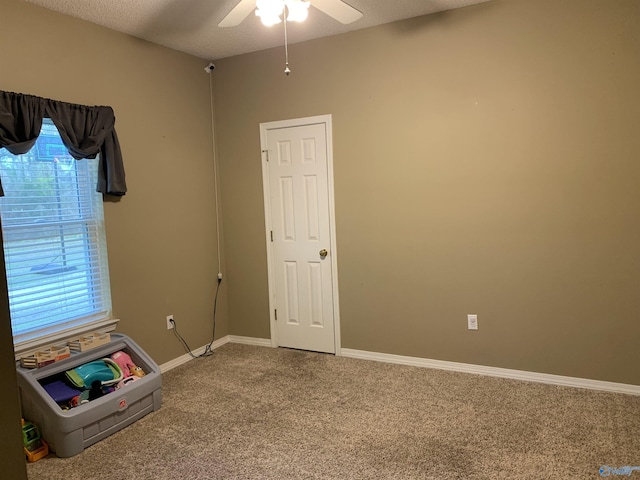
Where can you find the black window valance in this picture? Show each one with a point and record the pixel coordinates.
(85, 131)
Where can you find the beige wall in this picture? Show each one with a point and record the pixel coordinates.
(161, 236)
(486, 161)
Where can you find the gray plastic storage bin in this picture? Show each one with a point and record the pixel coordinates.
(69, 432)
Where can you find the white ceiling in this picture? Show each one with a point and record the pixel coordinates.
(191, 26)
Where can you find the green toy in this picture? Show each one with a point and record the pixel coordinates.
(35, 447)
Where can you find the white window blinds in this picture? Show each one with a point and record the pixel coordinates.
(54, 239)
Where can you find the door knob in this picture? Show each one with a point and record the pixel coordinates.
(323, 252)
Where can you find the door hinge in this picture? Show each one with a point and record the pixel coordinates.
(275, 312)
(272, 235)
(266, 154)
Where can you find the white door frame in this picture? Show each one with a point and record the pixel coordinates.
(298, 122)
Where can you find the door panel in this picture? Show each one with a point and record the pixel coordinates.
(300, 223)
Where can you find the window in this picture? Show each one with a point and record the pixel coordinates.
(54, 241)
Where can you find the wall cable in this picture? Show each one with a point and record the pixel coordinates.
(214, 151)
(207, 349)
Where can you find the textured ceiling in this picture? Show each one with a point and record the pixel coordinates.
(191, 26)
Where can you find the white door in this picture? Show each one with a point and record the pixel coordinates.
(301, 244)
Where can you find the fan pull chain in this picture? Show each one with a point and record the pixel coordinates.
(287, 71)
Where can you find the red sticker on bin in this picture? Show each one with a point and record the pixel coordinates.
(122, 404)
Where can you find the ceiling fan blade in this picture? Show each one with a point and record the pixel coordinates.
(238, 13)
(338, 9)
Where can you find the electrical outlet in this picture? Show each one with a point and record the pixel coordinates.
(472, 322)
(169, 322)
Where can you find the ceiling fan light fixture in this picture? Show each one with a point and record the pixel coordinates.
(298, 10)
(270, 11)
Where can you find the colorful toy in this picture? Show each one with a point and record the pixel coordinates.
(124, 362)
(35, 447)
(103, 372)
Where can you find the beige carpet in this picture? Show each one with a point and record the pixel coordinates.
(261, 413)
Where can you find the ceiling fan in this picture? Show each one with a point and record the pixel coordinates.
(337, 9)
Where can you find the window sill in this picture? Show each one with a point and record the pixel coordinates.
(31, 346)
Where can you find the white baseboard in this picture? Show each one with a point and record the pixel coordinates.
(495, 372)
(437, 364)
(165, 367)
(260, 342)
